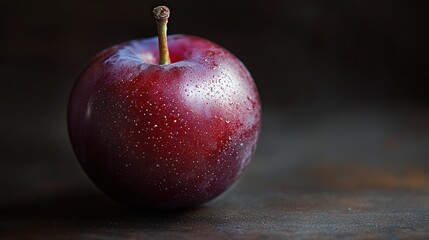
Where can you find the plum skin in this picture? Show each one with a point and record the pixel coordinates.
(164, 136)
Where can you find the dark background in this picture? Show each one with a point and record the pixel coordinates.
(344, 87)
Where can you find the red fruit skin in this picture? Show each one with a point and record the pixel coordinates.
(164, 136)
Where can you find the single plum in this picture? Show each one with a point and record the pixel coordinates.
(164, 135)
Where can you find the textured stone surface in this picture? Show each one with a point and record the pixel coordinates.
(349, 175)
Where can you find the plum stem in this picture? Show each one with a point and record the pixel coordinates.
(161, 15)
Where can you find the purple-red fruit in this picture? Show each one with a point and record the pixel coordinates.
(170, 135)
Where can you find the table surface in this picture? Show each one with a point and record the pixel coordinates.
(351, 174)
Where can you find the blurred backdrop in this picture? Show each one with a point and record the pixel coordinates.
(344, 86)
